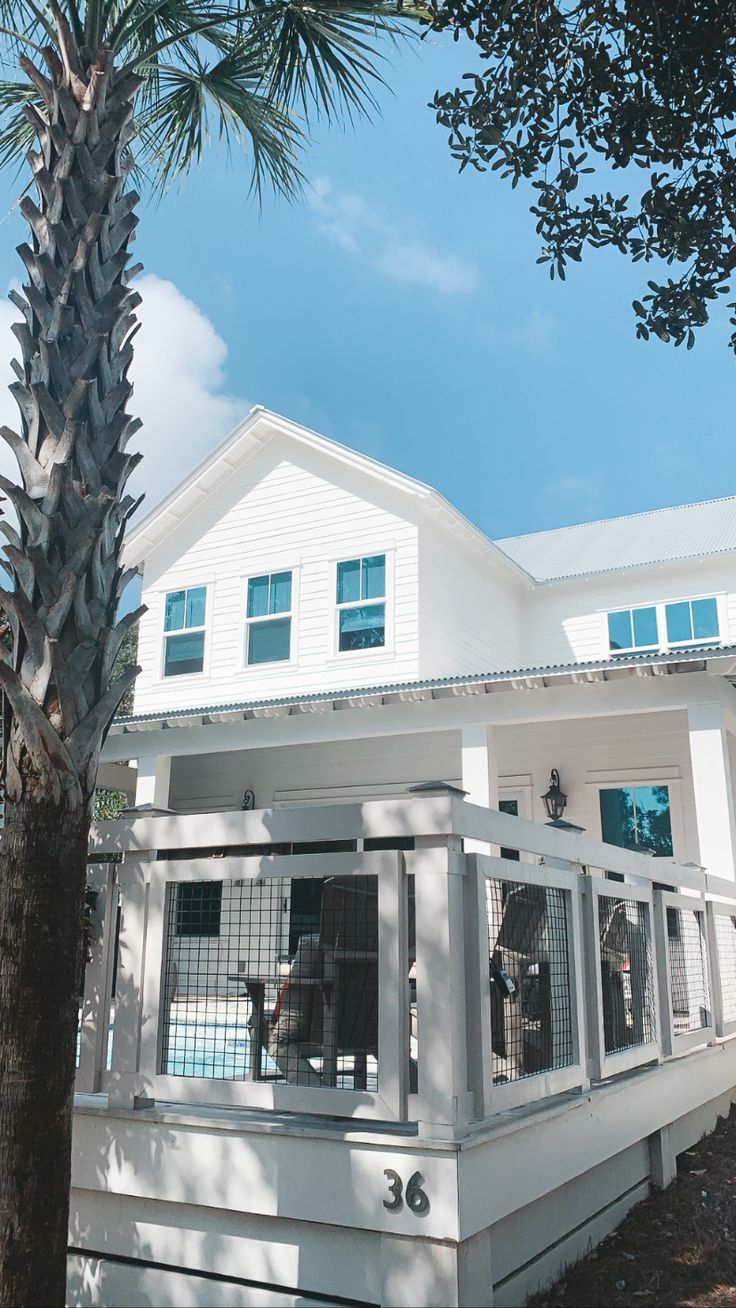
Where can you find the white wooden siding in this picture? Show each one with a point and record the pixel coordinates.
(565, 622)
(633, 749)
(387, 766)
(469, 611)
(274, 515)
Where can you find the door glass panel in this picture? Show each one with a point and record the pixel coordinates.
(509, 806)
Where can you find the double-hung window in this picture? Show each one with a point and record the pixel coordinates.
(268, 618)
(361, 603)
(692, 621)
(633, 629)
(184, 630)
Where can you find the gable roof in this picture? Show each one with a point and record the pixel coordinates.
(260, 426)
(689, 531)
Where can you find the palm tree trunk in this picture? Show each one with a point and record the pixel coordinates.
(41, 904)
(72, 391)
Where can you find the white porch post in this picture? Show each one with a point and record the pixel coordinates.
(154, 780)
(713, 787)
(479, 772)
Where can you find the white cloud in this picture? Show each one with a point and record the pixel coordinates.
(178, 375)
(360, 228)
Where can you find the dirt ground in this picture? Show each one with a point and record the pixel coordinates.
(675, 1250)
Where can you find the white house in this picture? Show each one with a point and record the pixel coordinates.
(375, 1043)
(321, 627)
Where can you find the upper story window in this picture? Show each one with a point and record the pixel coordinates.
(664, 626)
(361, 603)
(633, 629)
(692, 621)
(268, 618)
(184, 628)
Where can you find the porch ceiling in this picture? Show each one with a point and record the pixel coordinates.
(720, 660)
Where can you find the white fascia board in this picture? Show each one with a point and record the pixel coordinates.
(257, 428)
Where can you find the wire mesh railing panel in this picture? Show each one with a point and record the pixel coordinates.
(627, 980)
(531, 993)
(688, 959)
(726, 948)
(273, 981)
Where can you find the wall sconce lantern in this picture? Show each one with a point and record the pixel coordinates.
(555, 799)
(249, 801)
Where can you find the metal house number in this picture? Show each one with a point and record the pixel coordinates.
(416, 1200)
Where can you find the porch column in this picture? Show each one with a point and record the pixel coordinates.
(479, 772)
(154, 780)
(713, 787)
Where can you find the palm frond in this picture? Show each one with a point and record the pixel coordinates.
(226, 101)
(323, 54)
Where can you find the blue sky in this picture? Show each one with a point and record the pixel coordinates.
(399, 309)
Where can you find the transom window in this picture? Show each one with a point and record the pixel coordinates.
(268, 620)
(633, 629)
(184, 628)
(692, 621)
(361, 624)
(637, 817)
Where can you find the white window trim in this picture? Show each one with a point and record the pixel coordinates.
(187, 677)
(699, 640)
(660, 607)
(633, 649)
(617, 780)
(335, 654)
(246, 669)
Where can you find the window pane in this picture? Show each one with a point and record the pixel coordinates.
(195, 606)
(679, 626)
(374, 577)
(618, 825)
(269, 641)
(619, 630)
(348, 581)
(184, 654)
(198, 908)
(645, 626)
(653, 827)
(258, 597)
(363, 628)
(175, 608)
(280, 592)
(705, 619)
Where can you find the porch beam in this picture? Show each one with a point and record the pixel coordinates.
(503, 707)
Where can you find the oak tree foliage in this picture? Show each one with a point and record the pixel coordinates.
(622, 116)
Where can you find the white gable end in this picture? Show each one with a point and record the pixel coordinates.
(275, 515)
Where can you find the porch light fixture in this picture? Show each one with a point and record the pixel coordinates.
(555, 799)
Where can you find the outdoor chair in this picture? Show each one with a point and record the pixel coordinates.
(328, 1006)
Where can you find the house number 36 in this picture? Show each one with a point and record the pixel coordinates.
(416, 1199)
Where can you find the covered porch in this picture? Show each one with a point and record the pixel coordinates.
(509, 1052)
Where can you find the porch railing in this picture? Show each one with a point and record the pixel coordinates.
(384, 961)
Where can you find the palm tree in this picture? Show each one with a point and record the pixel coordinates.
(99, 75)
